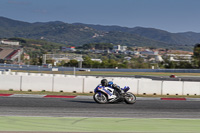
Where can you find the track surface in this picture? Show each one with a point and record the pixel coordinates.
(62, 107)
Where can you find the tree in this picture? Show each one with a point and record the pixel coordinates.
(87, 61)
(72, 63)
(196, 54)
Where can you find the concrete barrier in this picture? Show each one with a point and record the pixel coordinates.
(191, 88)
(132, 83)
(36, 83)
(172, 88)
(68, 84)
(87, 84)
(10, 82)
(20, 73)
(149, 87)
(90, 84)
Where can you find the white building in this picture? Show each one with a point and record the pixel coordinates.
(158, 58)
(99, 60)
(9, 42)
(149, 52)
(179, 57)
(68, 49)
(120, 48)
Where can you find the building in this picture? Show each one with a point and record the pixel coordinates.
(62, 57)
(26, 56)
(63, 49)
(99, 60)
(149, 52)
(9, 42)
(10, 54)
(158, 58)
(179, 57)
(127, 58)
(119, 48)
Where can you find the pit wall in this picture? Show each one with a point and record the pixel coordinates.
(86, 84)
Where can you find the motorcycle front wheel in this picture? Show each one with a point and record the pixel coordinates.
(129, 98)
(100, 98)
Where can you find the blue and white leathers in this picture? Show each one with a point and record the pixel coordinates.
(107, 90)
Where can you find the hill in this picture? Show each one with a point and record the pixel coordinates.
(78, 34)
(185, 38)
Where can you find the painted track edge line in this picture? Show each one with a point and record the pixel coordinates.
(181, 99)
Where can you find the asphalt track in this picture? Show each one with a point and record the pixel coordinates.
(56, 115)
(83, 107)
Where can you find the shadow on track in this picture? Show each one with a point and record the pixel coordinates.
(84, 101)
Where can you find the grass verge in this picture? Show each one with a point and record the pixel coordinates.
(104, 73)
(81, 124)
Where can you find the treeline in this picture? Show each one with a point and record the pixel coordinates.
(100, 46)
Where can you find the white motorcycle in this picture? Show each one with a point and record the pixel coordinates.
(109, 95)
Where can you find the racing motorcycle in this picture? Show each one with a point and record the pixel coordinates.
(104, 95)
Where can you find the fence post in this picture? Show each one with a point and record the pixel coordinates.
(53, 84)
(20, 83)
(162, 87)
(83, 88)
(138, 84)
(183, 88)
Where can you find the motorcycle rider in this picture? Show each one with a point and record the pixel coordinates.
(115, 86)
(103, 85)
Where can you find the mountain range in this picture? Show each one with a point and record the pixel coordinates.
(77, 34)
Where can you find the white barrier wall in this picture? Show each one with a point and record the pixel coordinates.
(68, 84)
(90, 84)
(10, 82)
(87, 84)
(172, 88)
(150, 87)
(191, 88)
(36, 83)
(132, 83)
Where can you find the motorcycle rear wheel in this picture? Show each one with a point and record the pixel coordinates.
(129, 98)
(100, 98)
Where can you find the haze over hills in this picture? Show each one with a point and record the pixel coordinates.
(78, 34)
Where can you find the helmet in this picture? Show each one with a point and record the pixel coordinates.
(104, 82)
(110, 83)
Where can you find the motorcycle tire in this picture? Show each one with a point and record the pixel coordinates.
(129, 98)
(100, 98)
(119, 97)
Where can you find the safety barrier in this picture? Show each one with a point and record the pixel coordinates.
(86, 84)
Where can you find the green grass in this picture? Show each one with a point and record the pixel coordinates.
(64, 124)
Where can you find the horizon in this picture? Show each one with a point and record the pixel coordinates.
(172, 15)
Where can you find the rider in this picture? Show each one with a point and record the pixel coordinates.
(115, 86)
(104, 84)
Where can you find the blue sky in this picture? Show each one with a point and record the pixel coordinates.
(170, 15)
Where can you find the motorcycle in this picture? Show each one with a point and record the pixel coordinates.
(103, 95)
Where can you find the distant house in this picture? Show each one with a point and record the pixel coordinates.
(63, 49)
(158, 58)
(119, 48)
(99, 60)
(9, 42)
(127, 58)
(26, 56)
(179, 57)
(149, 52)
